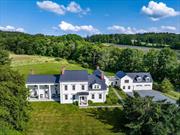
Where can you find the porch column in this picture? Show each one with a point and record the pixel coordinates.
(38, 91)
(49, 91)
(79, 100)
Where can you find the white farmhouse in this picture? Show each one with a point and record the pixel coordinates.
(70, 86)
(129, 82)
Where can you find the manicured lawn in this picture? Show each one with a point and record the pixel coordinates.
(121, 93)
(111, 99)
(173, 94)
(52, 118)
(43, 65)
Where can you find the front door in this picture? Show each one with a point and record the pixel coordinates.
(83, 101)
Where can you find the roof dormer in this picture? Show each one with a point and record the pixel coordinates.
(96, 86)
(147, 79)
(138, 78)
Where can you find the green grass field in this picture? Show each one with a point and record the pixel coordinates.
(52, 118)
(43, 65)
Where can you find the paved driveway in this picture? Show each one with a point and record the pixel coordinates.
(156, 94)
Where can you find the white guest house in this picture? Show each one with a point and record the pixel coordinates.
(69, 86)
(129, 82)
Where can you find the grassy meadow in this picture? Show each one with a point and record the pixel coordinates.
(44, 65)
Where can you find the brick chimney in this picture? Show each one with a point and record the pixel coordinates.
(102, 75)
(62, 70)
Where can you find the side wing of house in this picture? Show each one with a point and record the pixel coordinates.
(43, 87)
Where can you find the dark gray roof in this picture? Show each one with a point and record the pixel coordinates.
(74, 75)
(97, 73)
(43, 79)
(94, 79)
(135, 75)
(143, 75)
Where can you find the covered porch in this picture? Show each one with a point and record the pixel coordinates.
(83, 98)
(41, 92)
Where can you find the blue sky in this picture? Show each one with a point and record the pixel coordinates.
(86, 17)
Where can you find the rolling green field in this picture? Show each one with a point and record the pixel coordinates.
(43, 65)
(52, 118)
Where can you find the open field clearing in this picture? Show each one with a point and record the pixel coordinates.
(43, 65)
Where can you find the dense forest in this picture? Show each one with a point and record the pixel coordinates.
(162, 64)
(147, 39)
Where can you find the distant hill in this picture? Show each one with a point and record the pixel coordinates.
(171, 40)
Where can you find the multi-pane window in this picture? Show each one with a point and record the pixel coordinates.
(124, 87)
(92, 96)
(100, 96)
(66, 97)
(129, 87)
(73, 87)
(126, 81)
(82, 87)
(65, 87)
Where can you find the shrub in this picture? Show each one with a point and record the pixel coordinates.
(166, 86)
(85, 65)
(156, 86)
(75, 103)
(72, 62)
(58, 59)
(90, 102)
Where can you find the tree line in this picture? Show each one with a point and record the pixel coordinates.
(160, 63)
(146, 39)
(14, 107)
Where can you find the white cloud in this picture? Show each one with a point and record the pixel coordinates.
(68, 27)
(52, 6)
(73, 7)
(159, 10)
(125, 30)
(76, 8)
(11, 28)
(168, 28)
(130, 30)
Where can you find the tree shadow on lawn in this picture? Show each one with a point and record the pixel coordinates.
(109, 116)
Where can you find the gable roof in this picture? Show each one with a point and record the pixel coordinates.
(94, 79)
(120, 74)
(74, 75)
(143, 75)
(43, 79)
(97, 73)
